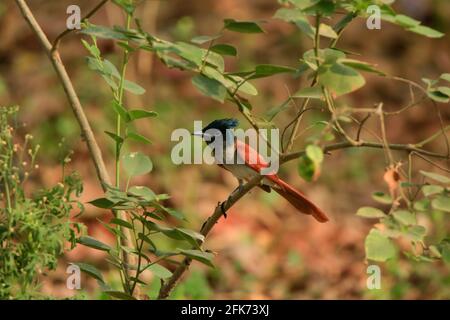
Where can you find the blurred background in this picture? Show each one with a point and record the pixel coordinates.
(265, 250)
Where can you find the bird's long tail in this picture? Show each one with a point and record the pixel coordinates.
(299, 200)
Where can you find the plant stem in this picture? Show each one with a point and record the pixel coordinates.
(120, 214)
(120, 98)
(8, 196)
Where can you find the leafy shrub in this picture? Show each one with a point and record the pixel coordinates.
(34, 230)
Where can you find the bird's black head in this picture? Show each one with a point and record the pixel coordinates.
(222, 125)
(216, 128)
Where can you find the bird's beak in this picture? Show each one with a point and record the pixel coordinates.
(198, 133)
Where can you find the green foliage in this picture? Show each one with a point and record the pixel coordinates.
(34, 230)
(378, 246)
(404, 222)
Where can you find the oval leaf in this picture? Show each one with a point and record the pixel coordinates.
(369, 212)
(136, 164)
(378, 247)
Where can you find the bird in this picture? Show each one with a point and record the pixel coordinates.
(245, 170)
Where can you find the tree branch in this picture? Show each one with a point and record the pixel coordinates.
(74, 101)
(206, 228)
(346, 144)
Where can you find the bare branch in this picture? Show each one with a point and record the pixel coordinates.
(346, 145)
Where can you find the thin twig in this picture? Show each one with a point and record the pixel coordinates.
(384, 134)
(360, 126)
(346, 145)
(67, 31)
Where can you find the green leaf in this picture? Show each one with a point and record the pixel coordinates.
(110, 69)
(210, 87)
(115, 137)
(444, 248)
(93, 243)
(405, 217)
(361, 65)
(444, 90)
(136, 164)
(445, 76)
(126, 5)
(309, 92)
(438, 96)
(242, 26)
(143, 192)
(119, 295)
(306, 168)
(122, 223)
(339, 79)
(215, 60)
(103, 32)
(442, 203)
(267, 70)
(327, 31)
(289, 15)
(304, 4)
(160, 271)
(172, 212)
(133, 87)
(244, 85)
(191, 53)
(315, 153)
(114, 86)
(93, 50)
(323, 7)
(436, 177)
(382, 197)
(426, 31)
(434, 252)
(406, 21)
(191, 236)
(224, 49)
(146, 239)
(137, 137)
(378, 247)
(204, 39)
(90, 270)
(429, 190)
(95, 65)
(202, 256)
(126, 46)
(120, 110)
(141, 114)
(416, 233)
(422, 205)
(102, 203)
(369, 212)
